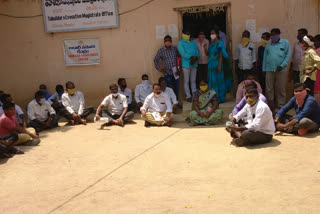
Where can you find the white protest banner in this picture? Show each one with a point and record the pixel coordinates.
(78, 15)
(84, 51)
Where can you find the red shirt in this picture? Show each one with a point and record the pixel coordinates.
(7, 124)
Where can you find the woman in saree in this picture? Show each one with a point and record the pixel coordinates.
(205, 107)
(217, 55)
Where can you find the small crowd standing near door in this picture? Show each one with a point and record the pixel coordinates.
(260, 110)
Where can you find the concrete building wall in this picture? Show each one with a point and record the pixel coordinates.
(30, 56)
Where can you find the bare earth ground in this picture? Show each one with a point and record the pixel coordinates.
(178, 170)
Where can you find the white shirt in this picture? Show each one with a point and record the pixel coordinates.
(246, 56)
(56, 97)
(39, 112)
(203, 58)
(171, 95)
(75, 103)
(127, 93)
(154, 104)
(141, 92)
(115, 106)
(259, 117)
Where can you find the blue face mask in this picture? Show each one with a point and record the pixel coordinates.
(42, 101)
(300, 38)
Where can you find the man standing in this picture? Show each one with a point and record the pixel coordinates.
(142, 90)
(202, 42)
(117, 108)
(157, 108)
(262, 75)
(260, 125)
(307, 119)
(168, 55)
(74, 104)
(275, 61)
(41, 115)
(297, 55)
(245, 57)
(124, 90)
(189, 56)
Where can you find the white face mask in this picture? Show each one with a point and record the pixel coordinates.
(145, 82)
(115, 95)
(157, 95)
(213, 36)
(42, 101)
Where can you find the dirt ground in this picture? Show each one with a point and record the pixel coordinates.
(177, 170)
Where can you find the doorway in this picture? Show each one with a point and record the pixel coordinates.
(204, 18)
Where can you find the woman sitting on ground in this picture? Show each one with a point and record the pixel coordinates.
(205, 107)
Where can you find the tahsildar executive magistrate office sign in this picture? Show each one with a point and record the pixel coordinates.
(78, 15)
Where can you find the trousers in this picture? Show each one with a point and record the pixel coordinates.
(189, 75)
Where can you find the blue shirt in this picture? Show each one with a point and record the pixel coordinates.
(310, 109)
(276, 55)
(187, 50)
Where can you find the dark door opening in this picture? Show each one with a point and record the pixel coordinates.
(205, 21)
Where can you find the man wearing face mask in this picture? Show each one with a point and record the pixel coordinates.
(275, 62)
(202, 43)
(169, 93)
(310, 63)
(116, 108)
(40, 113)
(157, 108)
(142, 90)
(245, 57)
(307, 119)
(297, 56)
(55, 99)
(259, 127)
(189, 57)
(74, 106)
(168, 55)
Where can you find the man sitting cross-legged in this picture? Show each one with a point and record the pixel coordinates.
(41, 115)
(9, 125)
(259, 127)
(117, 108)
(157, 108)
(307, 119)
(74, 104)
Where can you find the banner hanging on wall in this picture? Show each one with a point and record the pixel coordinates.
(84, 51)
(79, 15)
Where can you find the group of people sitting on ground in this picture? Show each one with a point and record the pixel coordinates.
(252, 120)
